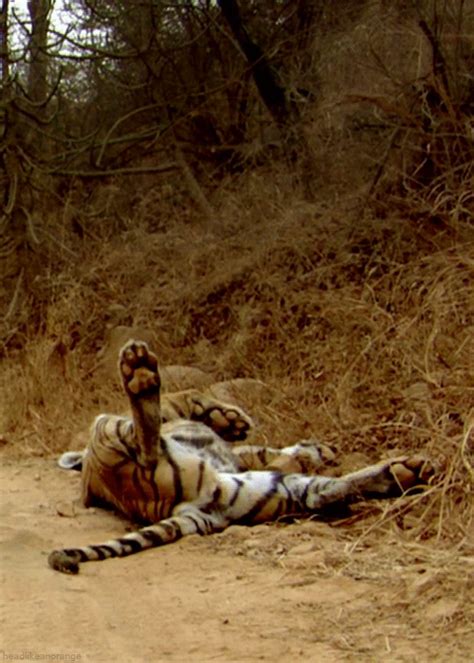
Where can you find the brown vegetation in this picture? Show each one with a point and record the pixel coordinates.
(353, 304)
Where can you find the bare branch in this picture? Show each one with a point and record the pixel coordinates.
(164, 168)
(116, 124)
(14, 299)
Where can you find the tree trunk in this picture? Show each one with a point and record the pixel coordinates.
(285, 114)
(266, 78)
(5, 92)
(4, 54)
(39, 11)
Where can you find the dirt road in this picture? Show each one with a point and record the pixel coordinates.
(278, 592)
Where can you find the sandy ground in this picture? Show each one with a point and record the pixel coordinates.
(277, 592)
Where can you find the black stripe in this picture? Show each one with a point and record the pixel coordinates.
(202, 466)
(131, 454)
(250, 516)
(239, 483)
(196, 442)
(158, 509)
(135, 546)
(262, 455)
(110, 437)
(260, 503)
(281, 509)
(177, 531)
(281, 483)
(117, 429)
(180, 411)
(138, 483)
(199, 529)
(304, 496)
(76, 552)
(152, 536)
(104, 552)
(154, 487)
(289, 500)
(178, 487)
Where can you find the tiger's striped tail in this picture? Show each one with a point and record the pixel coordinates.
(191, 520)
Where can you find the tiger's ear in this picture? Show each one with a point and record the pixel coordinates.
(71, 460)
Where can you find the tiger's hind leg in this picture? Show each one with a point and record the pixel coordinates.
(389, 478)
(258, 497)
(138, 368)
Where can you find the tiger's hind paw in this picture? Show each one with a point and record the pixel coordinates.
(391, 477)
(411, 471)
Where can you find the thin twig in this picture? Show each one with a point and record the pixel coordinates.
(14, 299)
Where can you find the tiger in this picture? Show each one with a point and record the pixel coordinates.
(176, 470)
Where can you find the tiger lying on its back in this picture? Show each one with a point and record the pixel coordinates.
(183, 477)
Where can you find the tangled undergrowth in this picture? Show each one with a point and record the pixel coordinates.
(361, 328)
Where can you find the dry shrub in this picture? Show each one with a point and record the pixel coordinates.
(394, 114)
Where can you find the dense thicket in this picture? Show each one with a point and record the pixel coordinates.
(100, 86)
(168, 100)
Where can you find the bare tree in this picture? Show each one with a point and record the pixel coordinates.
(4, 60)
(37, 88)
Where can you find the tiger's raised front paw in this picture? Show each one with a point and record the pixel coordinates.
(139, 370)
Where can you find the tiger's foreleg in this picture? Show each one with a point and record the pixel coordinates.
(305, 457)
(141, 381)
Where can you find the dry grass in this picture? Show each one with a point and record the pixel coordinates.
(365, 326)
(361, 328)
(360, 323)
